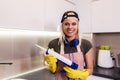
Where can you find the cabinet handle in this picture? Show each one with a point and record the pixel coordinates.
(6, 63)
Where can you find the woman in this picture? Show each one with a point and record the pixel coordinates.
(71, 46)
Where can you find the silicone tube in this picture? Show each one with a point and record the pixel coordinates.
(64, 60)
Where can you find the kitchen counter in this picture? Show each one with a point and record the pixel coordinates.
(42, 74)
(113, 73)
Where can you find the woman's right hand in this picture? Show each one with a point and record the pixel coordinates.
(51, 61)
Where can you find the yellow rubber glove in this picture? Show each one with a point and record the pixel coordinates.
(51, 60)
(74, 73)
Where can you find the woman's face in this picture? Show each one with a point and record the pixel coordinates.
(70, 27)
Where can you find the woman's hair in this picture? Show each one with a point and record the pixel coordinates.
(66, 15)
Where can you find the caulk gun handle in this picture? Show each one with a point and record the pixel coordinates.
(48, 49)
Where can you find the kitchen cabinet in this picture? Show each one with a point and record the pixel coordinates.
(42, 15)
(105, 16)
(54, 12)
(33, 15)
(84, 9)
(22, 14)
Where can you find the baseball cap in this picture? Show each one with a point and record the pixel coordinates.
(69, 14)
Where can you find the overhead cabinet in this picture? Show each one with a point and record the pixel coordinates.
(105, 16)
(42, 15)
(33, 15)
(22, 14)
(85, 14)
(54, 12)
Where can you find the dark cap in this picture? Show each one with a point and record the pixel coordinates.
(69, 14)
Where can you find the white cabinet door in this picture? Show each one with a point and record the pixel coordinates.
(22, 14)
(42, 14)
(102, 15)
(84, 9)
(105, 16)
(54, 12)
(116, 15)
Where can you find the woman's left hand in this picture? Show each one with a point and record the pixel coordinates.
(75, 73)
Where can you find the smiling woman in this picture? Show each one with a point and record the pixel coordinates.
(71, 46)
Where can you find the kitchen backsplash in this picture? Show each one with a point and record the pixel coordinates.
(110, 39)
(18, 48)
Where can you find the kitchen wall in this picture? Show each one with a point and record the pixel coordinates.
(18, 48)
(111, 39)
